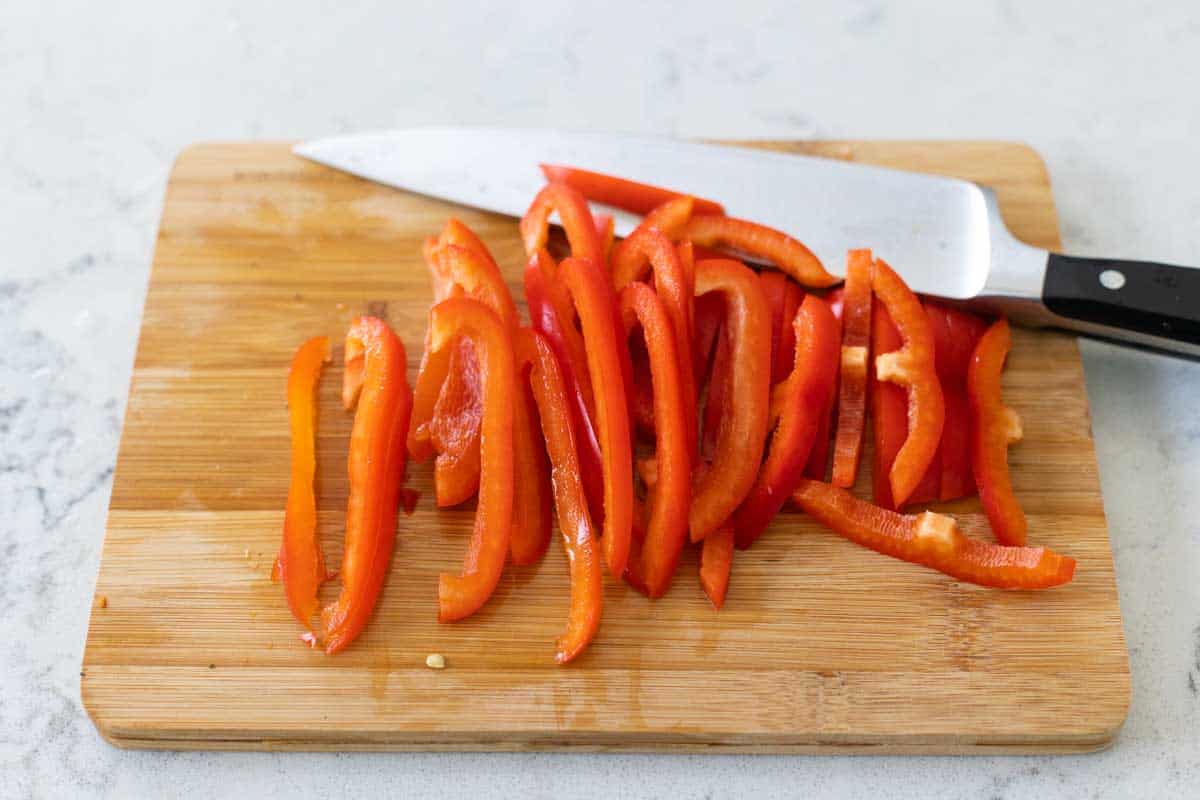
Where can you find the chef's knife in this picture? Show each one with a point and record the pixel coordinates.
(945, 236)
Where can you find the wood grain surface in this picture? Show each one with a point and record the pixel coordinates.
(822, 646)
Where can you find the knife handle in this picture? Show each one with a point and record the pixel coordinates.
(1136, 302)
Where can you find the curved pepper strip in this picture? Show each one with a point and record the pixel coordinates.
(743, 428)
(889, 410)
(818, 459)
(716, 562)
(648, 249)
(774, 286)
(547, 318)
(576, 219)
(534, 354)
(803, 399)
(852, 388)
(374, 380)
(532, 514)
(994, 426)
(640, 198)
(606, 229)
(914, 368)
(932, 540)
(759, 241)
(671, 217)
(591, 292)
(709, 314)
(301, 565)
(955, 334)
(653, 565)
(460, 596)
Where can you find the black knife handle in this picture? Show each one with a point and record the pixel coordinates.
(1138, 301)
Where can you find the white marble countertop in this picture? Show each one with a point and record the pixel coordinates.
(97, 99)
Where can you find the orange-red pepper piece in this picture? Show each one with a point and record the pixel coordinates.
(889, 410)
(802, 400)
(301, 565)
(671, 218)
(591, 292)
(818, 459)
(932, 540)
(606, 229)
(994, 426)
(666, 528)
(375, 380)
(743, 428)
(534, 354)
(532, 513)
(576, 219)
(914, 368)
(461, 595)
(759, 241)
(852, 388)
(640, 198)
(716, 562)
(955, 333)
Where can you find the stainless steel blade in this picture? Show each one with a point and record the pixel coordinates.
(937, 232)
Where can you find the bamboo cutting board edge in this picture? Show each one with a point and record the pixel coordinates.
(1020, 178)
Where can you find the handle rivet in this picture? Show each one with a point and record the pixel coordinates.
(1112, 279)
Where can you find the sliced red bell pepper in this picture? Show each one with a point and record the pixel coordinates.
(782, 358)
(461, 595)
(803, 400)
(889, 410)
(717, 401)
(932, 540)
(454, 428)
(375, 369)
(743, 429)
(671, 217)
(301, 565)
(914, 368)
(955, 333)
(818, 459)
(576, 219)
(591, 291)
(774, 287)
(643, 389)
(648, 249)
(994, 426)
(548, 313)
(654, 564)
(534, 354)
(852, 387)
(759, 241)
(709, 314)
(716, 562)
(606, 230)
(640, 198)
(532, 516)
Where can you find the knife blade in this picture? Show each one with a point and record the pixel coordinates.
(944, 235)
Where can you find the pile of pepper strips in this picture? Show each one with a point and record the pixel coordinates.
(660, 356)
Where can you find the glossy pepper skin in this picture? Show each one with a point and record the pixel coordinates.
(752, 239)
(800, 403)
(459, 596)
(301, 565)
(648, 249)
(576, 219)
(994, 426)
(716, 562)
(852, 386)
(889, 411)
(374, 380)
(818, 459)
(743, 428)
(914, 368)
(671, 218)
(653, 565)
(955, 333)
(536, 358)
(932, 540)
(591, 291)
(640, 198)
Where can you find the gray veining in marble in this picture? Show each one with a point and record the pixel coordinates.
(97, 98)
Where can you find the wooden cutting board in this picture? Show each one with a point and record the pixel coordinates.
(822, 646)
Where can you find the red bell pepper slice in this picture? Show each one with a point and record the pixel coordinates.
(889, 411)
(591, 291)
(955, 333)
(534, 354)
(914, 368)
(301, 565)
(648, 249)
(852, 389)
(743, 429)
(932, 540)
(717, 401)
(461, 595)
(532, 514)
(653, 565)
(801, 402)
(759, 241)
(606, 229)
(551, 318)
(708, 314)
(576, 219)
(818, 459)
(716, 562)
(374, 380)
(774, 287)
(671, 218)
(994, 426)
(640, 198)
